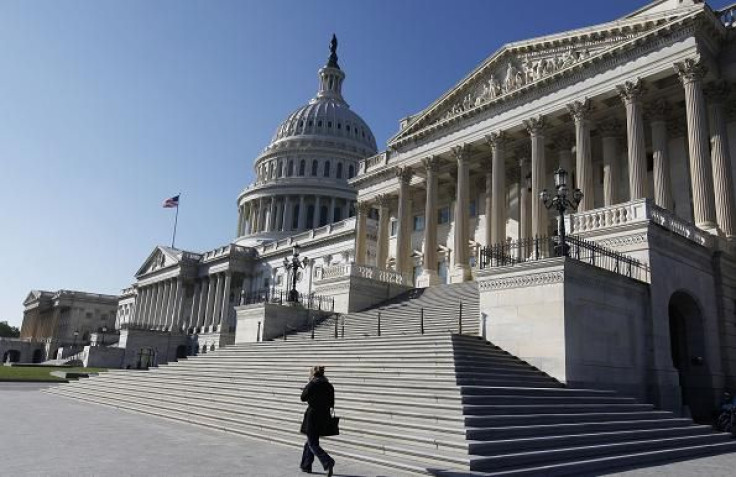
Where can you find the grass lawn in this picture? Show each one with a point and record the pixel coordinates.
(38, 373)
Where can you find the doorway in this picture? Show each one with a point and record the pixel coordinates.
(687, 346)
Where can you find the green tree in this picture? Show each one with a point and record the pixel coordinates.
(7, 331)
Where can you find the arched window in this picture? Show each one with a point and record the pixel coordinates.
(280, 172)
(302, 167)
(295, 217)
(327, 169)
(315, 165)
(338, 172)
(270, 171)
(290, 168)
(351, 171)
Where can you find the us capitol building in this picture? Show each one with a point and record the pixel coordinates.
(640, 113)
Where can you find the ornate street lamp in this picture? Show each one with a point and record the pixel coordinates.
(561, 202)
(294, 265)
(104, 330)
(76, 333)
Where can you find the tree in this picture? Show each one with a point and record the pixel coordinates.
(7, 331)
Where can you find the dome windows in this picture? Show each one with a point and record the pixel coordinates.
(302, 168)
(338, 170)
(327, 169)
(315, 165)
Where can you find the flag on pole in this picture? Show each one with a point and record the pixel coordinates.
(171, 202)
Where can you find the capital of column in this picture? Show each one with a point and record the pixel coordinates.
(717, 92)
(580, 110)
(535, 125)
(658, 110)
(690, 70)
(461, 152)
(404, 174)
(631, 91)
(362, 208)
(431, 163)
(384, 201)
(496, 140)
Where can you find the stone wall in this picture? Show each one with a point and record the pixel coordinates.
(353, 293)
(266, 321)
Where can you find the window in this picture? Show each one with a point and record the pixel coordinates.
(280, 172)
(290, 168)
(314, 167)
(443, 215)
(302, 167)
(338, 171)
(473, 208)
(394, 227)
(327, 169)
(329, 124)
(418, 223)
(351, 171)
(323, 210)
(295, 217)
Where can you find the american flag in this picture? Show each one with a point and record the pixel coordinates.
(171, 202)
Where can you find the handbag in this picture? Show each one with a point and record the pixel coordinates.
(332, 426)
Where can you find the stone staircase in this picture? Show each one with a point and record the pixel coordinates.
(435, 309)
(438, 404)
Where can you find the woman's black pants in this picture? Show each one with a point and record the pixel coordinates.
(312, 449)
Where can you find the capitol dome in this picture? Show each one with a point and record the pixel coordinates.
(302, 175)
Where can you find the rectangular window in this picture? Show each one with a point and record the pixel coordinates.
(418, 223)
(443, 215)
(394, 228)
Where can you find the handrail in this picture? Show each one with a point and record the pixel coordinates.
(537, 248)
(283, 297)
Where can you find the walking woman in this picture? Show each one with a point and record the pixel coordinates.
(320, 395)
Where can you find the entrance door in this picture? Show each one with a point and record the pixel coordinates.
(687, 345)
(146, 358)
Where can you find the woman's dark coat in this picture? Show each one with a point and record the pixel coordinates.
(320, 395)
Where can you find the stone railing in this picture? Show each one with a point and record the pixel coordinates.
(224, 251)
(635, 212)
(372, 162)
(308, 235)
(365, 271)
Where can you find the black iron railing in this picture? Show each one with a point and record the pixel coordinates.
(282, 297)
(537, 248)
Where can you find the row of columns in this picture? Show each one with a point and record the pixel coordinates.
(160, 305)
(275, 214)
(709, 168)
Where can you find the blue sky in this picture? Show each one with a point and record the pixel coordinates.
(109, 107)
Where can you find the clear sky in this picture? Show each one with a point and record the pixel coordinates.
(109, 107)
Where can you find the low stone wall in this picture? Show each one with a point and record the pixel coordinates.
(352, 293)
(103, 357)
(148, 347)
(585, 326)
(266, 321)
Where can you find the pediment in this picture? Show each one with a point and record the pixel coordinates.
(521, 66)
(32, 296)
(161, 257)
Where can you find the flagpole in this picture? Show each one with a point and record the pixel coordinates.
(176, 221)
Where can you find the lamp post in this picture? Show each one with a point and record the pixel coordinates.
(104, 330)
(294, 265)
(76, 333)
(561, 202)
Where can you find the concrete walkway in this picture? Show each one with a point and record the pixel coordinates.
(44, 435)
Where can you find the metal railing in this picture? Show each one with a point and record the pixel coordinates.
(529, 250)
(282, 297)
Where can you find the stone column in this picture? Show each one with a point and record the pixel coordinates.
(286, 225)
(461, 270)
(194, 310)
(691, 74)
(302, 220)
(610, 136)
(224, 321)
(498, 189)
(217, 308)
(658, 113)
(252, 222)
(580, 111)
(524, 206)
(721, 158)
(204, 294)
(535, 127)
(361, 231)
(488, 209)
(210, 305)
(158, 306)
(178, 319)
(630, 93)
(168, 305)
(271, 218)
(315, 218)
(429, 274)
(403, 235)
(384, 202)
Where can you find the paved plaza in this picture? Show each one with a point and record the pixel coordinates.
(45, 435)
